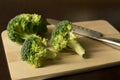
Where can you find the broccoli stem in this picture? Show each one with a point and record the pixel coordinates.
(51, 54)
(25, 36)
(75, 45)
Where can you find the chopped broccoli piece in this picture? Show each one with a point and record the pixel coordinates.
(35, 51)
(63, 37)
(23, 25)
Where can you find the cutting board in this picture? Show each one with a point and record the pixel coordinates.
(98, 55)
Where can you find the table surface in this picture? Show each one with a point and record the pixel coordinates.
(74, 10)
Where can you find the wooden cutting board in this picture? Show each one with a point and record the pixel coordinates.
(98, 55)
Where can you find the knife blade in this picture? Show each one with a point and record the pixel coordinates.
(86, 32)
(79, 30)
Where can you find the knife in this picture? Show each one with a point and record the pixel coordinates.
(79, 30)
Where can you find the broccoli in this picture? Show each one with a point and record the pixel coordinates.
(35, 51)
(62, 37)
(23, 25)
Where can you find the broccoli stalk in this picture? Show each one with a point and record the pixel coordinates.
(35, 51)
(62, 37)
(23, 25)
(76, 47)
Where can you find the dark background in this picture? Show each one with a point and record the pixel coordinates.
(74, 10)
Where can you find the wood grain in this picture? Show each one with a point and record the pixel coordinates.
(98, 55)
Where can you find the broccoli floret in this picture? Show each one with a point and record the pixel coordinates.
(23, 25)
(35, 51)
(62, 37)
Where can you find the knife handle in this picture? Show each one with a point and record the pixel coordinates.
(110, 41)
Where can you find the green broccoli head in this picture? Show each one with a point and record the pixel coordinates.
(35, 51)
(23, 25)
(63, 37)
